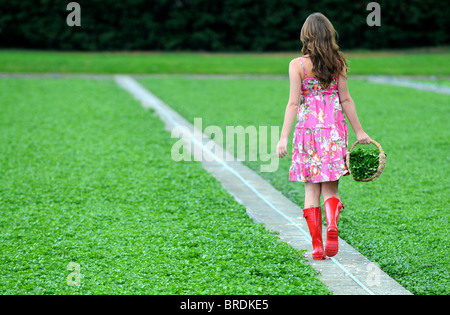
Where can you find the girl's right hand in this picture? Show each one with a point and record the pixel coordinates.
(363, 138)
(282, 148)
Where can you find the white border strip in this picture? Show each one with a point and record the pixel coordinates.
(150, 100)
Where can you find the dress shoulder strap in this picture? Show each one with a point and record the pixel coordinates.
(303, 66)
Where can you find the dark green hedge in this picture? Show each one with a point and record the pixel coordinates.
(216, 25)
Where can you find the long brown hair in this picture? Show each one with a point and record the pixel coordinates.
(319, 40)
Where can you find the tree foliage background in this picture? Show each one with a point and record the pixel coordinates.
(217, 25)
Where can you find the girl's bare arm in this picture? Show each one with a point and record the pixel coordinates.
(292, 106)
(350, 110)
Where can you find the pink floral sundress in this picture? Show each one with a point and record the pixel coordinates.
(321, 134)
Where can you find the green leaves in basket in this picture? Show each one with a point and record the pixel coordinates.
(364, 162)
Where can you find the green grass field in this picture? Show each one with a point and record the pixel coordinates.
(409, 62)
(399, 221)
(86, 176)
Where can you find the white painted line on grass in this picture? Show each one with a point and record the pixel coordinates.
(151, 101)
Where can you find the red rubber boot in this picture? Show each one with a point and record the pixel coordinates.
(333, 208)
(313, 216)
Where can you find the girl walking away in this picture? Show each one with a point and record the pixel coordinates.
(318, 79)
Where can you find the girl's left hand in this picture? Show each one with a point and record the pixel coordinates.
(282, 148)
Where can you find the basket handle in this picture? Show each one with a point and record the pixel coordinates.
(371, 141)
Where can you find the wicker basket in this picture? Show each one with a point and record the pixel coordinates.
(381, 166)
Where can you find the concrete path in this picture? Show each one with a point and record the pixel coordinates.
(423, 86)
(348, 273)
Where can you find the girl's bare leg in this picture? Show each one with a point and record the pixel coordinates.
(312, 194)
(329, 189)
